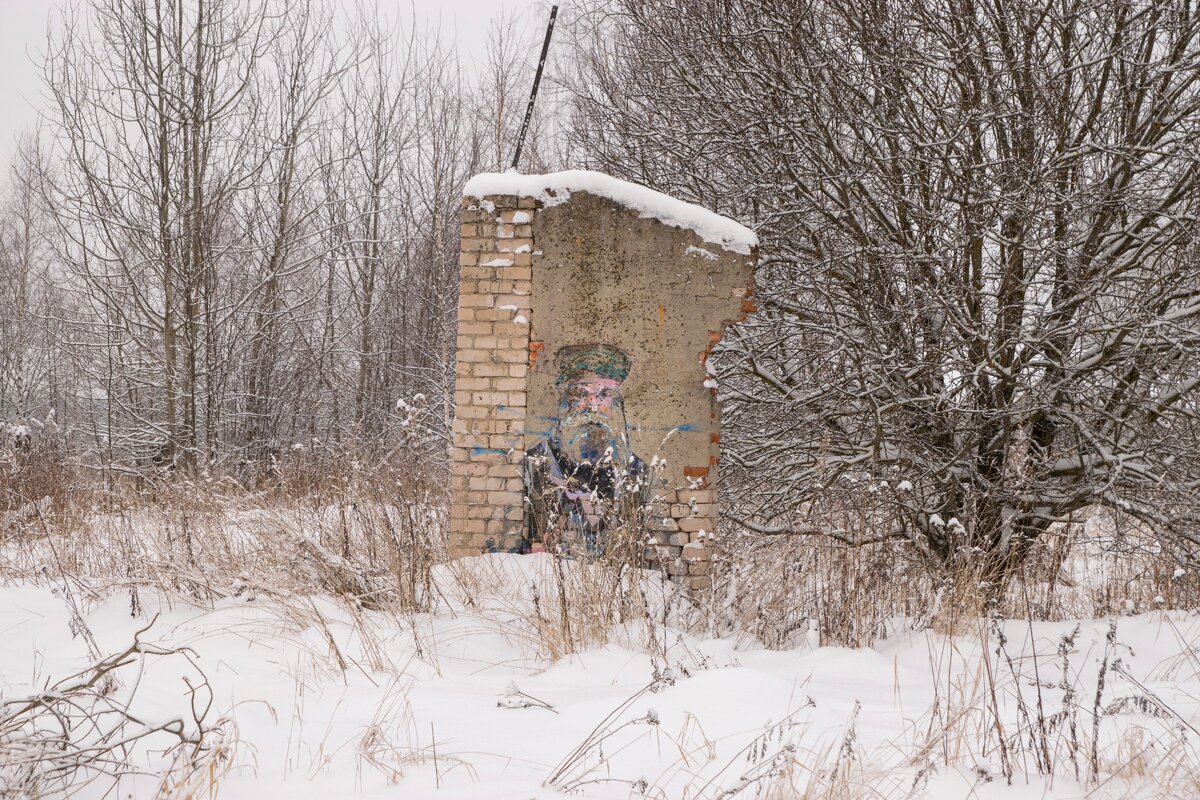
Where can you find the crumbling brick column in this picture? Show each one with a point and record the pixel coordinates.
(491, 373)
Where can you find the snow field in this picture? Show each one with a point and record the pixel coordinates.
(318, 697)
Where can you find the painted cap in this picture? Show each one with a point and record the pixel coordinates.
(578, 360)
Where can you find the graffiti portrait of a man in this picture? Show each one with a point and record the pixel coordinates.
(577, 478)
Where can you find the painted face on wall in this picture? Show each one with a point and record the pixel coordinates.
(592, 395)
(591, 414)
(592, 417)
(586, 462)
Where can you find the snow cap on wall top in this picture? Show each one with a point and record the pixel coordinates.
(555, 187)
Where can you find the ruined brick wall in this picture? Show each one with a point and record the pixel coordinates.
(554, 288)
(492, 372)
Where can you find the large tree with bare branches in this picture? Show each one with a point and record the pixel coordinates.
(980, 290)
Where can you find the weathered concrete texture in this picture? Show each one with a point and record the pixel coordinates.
(590, 271)
(603, 274)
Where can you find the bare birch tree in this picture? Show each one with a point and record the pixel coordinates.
(155, 118)
(31, 377)
(253, 207)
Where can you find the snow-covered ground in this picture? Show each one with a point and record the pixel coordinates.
(315, 698)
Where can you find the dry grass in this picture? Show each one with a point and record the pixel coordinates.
(781, 588)
(319, 523)
(374, 539)
(371, 535)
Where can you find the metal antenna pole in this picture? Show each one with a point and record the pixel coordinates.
(537, 81)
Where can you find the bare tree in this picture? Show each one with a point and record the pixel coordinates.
(281, 218)
(252, 207)
(155, 117)
(980, 289)
(31, 378)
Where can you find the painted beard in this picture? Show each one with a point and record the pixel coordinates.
(591, 437)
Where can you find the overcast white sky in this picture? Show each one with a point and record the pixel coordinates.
(23, 36)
